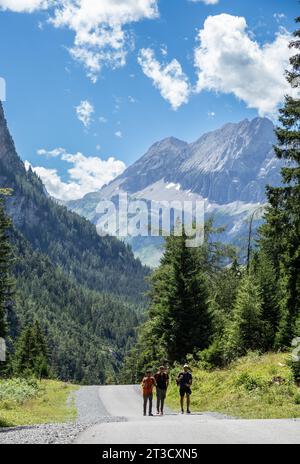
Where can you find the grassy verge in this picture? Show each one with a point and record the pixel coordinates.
(255, 387)
(30, 402)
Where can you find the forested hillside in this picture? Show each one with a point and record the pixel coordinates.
(86, 292)
(102, 264)
(87, 331)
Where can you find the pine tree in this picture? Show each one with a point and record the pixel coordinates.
(31, 356)
(263, 269)
(281, 233)
(180, 301)
(223, 289)
(245, 332)
(41, 367)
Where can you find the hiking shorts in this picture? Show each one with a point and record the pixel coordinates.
(185, 391)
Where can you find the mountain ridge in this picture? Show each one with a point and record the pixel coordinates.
(204, 156)
(229, 168)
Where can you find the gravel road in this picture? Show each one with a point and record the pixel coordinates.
(90, 409)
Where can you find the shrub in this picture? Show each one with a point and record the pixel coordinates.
(295, 367)
(17, 390)
(212, 357)
(249, 382)
(297, 398)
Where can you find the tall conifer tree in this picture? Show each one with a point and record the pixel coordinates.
(281, 233)
(180, 301)
(246, 330)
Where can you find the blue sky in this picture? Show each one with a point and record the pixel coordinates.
(108, 86)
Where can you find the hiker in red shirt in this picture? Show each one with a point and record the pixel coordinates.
(148, 385)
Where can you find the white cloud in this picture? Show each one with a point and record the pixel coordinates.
(103, 120)
(100, 29)
(170, 79)
(229, 61)
(84, 112)
(87, 174)
(279, 17)
(164, 50)
(131, 99)
(119, 134)
(24, 6)
(100, 26)
(52, 153)
(207, 2)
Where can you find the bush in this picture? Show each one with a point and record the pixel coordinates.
(249, 382)
(297, 398)
(17, 390)
(212, 357)
(295, 367)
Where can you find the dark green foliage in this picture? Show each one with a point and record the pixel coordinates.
(265, 273)
(295, 367)
(5, 261)
(295, 361)
(180, 301)
(246, 330)
(31, 354)
(280, 236)
(86, 332)
(149, 352)
(213, 356)
(224, 284)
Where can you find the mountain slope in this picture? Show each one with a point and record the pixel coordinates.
(103, 264)
(232, 163)
(86, 291)
(229, 168)
(87, 332)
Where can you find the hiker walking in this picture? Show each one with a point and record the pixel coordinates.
(148, 384)
(184, 381)
(162, 383)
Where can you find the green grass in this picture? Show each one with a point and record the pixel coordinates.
(25, 402)
(246, 389)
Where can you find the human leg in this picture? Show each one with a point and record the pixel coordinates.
(188, 403)
(162, 400)
(150, 404)
(145, 404)
(158, 397)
